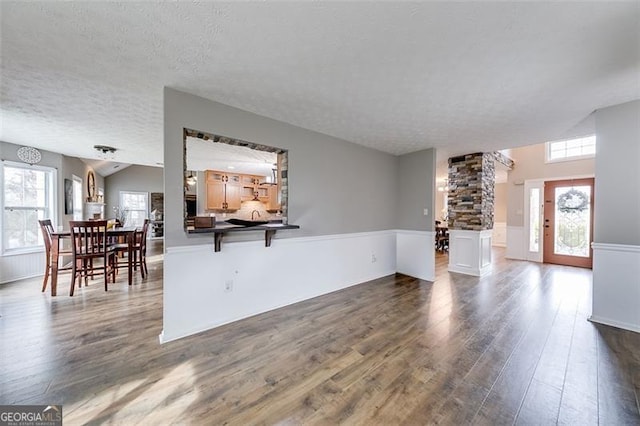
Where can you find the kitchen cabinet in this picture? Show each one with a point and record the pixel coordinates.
(273, 201)
(223, 190)
(227, 191)
(250, 184)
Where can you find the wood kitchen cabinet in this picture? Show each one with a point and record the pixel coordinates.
(227, 191)
(273, 202)
(250, 184)
(223, 190)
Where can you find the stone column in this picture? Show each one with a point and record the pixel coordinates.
(470, 205)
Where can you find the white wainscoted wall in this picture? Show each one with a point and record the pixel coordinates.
(415, 254)
(616, 285)
(515, 243)
(499, 236)
(470, 252)
(19, 266)
(291, 270)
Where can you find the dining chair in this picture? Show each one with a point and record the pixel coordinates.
(46, 227)
(139, 251)
(442, 239)
(89, 243)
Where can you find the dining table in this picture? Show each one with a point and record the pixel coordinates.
(128, 232)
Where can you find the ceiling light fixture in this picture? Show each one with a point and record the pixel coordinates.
(107, 152)
(445, 187)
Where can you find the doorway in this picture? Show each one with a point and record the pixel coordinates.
(568, 222)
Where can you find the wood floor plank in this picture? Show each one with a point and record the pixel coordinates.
(511, 346)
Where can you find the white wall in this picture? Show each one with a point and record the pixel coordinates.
(291, 270)
(530, 165)
(616, 248)
(500, 203)
(499, 235)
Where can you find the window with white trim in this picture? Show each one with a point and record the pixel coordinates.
(27, 195)
(77, 198)
(136, 205)
(571, 149)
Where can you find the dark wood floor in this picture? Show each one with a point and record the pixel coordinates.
(513, 347)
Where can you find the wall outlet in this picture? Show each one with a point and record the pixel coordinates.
(228, 286)
(426, 212)
(374, 259)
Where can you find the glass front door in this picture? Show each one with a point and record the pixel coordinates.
(568, 222)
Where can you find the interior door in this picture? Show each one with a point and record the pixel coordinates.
(568, 222)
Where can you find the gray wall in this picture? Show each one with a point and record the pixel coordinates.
(133, 178)
(416, 187)
(617, 190)
(334, 186)
(66, 167)
(530, 164)
(74, 166)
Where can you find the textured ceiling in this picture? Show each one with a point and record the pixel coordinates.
(208, 155)
(399, 77)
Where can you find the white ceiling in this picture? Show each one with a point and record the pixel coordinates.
(395, 76)
(105, 167)
(208, 155)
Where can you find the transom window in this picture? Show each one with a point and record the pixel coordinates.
(27, 195)
(571, 149)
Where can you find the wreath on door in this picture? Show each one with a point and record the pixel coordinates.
(573, 201)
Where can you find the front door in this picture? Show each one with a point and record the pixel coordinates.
(568, 222)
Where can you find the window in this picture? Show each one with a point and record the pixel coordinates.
(534, 220)
(77, 198)
(27, 195)
(136, 205)
(571, 149)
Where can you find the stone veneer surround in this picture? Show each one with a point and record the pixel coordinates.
(283, 158)
(471, 191)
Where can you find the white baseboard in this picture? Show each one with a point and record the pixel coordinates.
(614, 323)
(616, 285)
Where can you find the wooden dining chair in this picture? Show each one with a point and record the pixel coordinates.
(442, 239)
(89, 243)
(139, 251)
(46, 227)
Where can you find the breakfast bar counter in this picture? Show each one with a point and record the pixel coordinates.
(223, 228)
